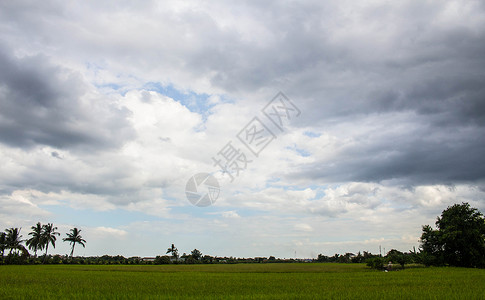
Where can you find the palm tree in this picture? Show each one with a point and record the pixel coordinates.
(35, 242)
(3, 242)
(49, 236)
(174, 251)
(73, 238)
(13, 238)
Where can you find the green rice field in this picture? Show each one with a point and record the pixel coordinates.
(238, 281)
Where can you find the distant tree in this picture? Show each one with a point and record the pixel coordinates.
(459, 239)
(322, 258)
(345, 258)
(412, 256)
(13, 239)
(396, 256)
(186, 258)
(207, 259)
(196, 254)
(376, 263)
(359, 258)
(162, 260)
(431, 247)
(74, 238)
(174, 251)
(49, 237)
(24, 253)
(368, 255)
(35, 242)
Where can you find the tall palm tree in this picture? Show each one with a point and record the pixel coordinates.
(74, 238)
(49, 236)
(35, 242)
(3, 242)
(174, 251)
(13, 238)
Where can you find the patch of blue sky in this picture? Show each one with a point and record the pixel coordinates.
(213, 211)
(301, 152)
(277, 183)
(84, 217)
(106, 87)
(112, 86)
(312, 134)
(320, 192)
(198, 103)
(274, 181)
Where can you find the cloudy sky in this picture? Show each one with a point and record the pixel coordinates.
(107, 109)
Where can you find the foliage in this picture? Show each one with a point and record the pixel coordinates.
(3, 242)
(459, 239)
(376, 263)
(162, 260)
(196, 254)
(399, 257)
(13, 239)
(74, 237)
(40, 237)
(36, 242)
(49, 236)
(174, 251)
(347, 258)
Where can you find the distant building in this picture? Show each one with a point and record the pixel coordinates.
(180, 259)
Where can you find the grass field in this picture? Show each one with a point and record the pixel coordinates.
(250, 281)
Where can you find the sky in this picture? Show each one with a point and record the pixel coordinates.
(107, 109)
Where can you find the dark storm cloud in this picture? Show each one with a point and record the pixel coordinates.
(420, 159)
(432, 72)
(344, 61)
(43, 104)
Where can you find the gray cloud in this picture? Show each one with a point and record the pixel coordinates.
(341, 63)
(42, 104)
(56, 155)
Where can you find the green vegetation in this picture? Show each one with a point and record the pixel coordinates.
(459, 239)
(74, 238)
(174, 251)
(40, 237)
(219, 281)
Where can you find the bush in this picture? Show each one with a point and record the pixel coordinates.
(429, 259)
(162, 260)
(376, 263)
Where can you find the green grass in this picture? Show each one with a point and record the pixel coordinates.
(249, 281)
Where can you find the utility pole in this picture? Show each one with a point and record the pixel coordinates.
(380, 254)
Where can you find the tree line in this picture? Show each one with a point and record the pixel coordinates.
(458, 240)
(41, 236)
